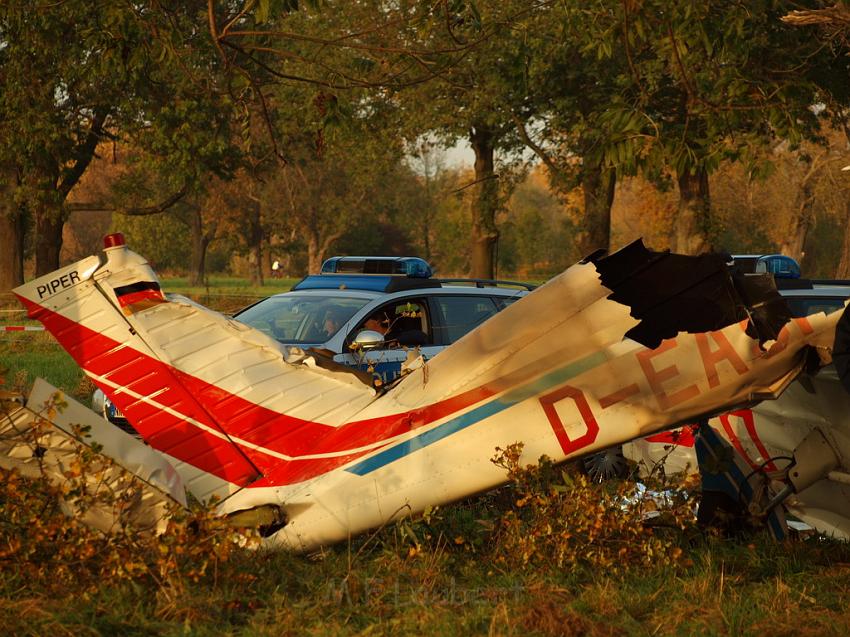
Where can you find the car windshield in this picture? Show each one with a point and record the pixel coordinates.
(294, 318)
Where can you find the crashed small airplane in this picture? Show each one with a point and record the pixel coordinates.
(616, 347)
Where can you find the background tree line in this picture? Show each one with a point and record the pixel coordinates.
(219, 135)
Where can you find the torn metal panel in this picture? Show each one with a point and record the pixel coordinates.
(131, 486)
(765, 441)
(273, 427)
(672, 293)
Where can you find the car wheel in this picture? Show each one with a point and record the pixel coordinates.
(610, 464)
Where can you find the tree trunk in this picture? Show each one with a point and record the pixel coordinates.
(843, 271)
(795, 240)
(12, 231)
(693, 216)
(267, 258)
(200, 243)
(485, 201)
(598, 185)
(49, 223)
(314, 253)
(255, 230)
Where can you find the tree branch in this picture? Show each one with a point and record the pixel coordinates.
(834, 15)
(85, 152)
(141, 211)
(538, 150)
(164, 205)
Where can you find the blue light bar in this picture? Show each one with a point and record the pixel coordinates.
(413, 267)
(342, 282)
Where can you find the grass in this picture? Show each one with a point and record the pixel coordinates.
(446, 582)
(453, 592)
(227, 294)
(26, 356)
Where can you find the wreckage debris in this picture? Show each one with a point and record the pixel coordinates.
(238, 417)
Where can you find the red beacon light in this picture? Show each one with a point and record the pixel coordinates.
(115, 240)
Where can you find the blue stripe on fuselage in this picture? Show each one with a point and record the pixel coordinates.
(509, 399)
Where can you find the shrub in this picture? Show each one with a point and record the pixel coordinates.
(44, 545)
(558, 518)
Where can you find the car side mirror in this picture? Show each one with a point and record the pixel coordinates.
(97, 401)
(366, 340)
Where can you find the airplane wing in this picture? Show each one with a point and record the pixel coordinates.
(559, 370)
(139, 489)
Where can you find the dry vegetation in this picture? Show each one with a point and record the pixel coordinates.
(549, 554)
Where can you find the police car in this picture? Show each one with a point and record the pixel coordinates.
(370, 312)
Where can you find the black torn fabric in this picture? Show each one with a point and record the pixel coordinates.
(671, 293)
(841, 350)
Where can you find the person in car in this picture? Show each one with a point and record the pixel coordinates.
(378, 322)
(334, 318)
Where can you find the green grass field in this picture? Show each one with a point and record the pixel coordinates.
(444, 575)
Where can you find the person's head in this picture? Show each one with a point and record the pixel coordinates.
(332, 322)
(378, 322)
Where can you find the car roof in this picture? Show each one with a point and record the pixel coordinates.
(389, 283)
(371, 295)
(468, 290)
(818, 291)
(338, 292)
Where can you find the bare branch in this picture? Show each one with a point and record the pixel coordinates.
(144, 211)
(473, 183)
(214, 31)
(837, 14)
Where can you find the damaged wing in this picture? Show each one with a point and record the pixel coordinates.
(44, 438)
(218, 399)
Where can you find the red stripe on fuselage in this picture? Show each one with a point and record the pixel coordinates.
(228, 413)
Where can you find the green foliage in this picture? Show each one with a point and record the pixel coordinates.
(537, 236)
(163, 239)
(44, 547)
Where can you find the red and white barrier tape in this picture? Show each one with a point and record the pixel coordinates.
(21, 328)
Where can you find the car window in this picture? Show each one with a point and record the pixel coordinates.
(403, 323)
(292, 318)
(460, 314)
(807, 306)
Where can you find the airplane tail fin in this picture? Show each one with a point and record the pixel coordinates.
(224, 402)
